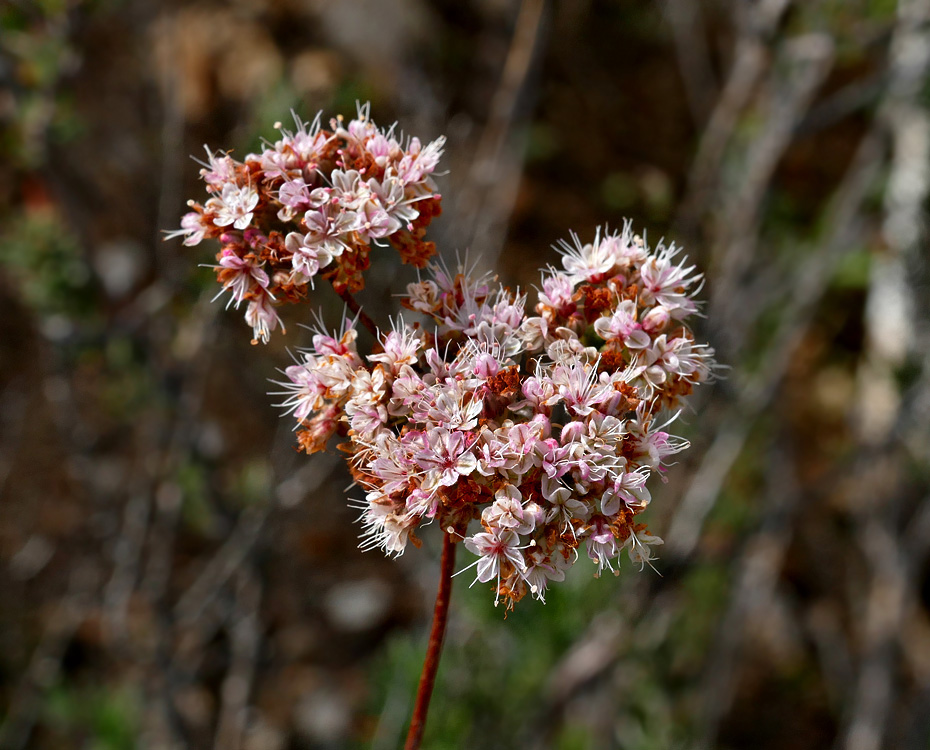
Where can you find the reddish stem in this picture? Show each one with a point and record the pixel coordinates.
(434, 649)
(356, 308)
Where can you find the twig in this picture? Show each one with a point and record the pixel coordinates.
(168, 501)
(486, 199)
(127, 553)
(811, 282)
(585, 663)
(838, 106)
(808, 59)
(144, 519)
(697, 74)
(45, 664)
(824, 625)
(687, 524)
(749, 61)
(245, 637)
(222, 566)
(434, 649)
(757, 579)
(14, 416)
(886, 600)
(879, 487)
(201, 594)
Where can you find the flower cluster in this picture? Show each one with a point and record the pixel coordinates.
(312, 204)
(543, 427)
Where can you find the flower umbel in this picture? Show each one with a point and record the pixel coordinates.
(528, 434)
(312, 204)
(543, 428)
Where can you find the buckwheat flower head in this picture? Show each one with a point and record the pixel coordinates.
(313, 204)
(531, 433)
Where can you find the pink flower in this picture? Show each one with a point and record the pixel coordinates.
(628, 489)
(234, 206)
(656, 319)
(349, 191)
(306, 260)
(662, 282)
(506, 512)
(493, 550)
(578, 388)
(652, 444)
(393, 198)
(490, 453)
(193, 227)
(450, 405)
(385, 527)
(365, 408)
(294, 153)
(381, 148)
(535, 332)
(406, 390)
(294, 196)
(622, 327)
(564, 506)
(602, 545)
(391, 464)
(592, 262)
(422, 503)
(538, 392)
(639, 546)
(418, 163)
(519, 454)
(261, 315)
(481, 411)
(305, 393)
(446, 457)
(218, 170)
(326, 230)
(344, 346)
(247, 277)
(400, 347)
(542, 568)
(557, 292)
(423, 296)
(374, 222)
(323, 426)
(359, 128)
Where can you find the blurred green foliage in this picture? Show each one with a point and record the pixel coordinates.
(106, 718)
(35, 45)
(41, 253)
(493, 678)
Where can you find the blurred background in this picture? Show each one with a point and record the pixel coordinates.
(174, 575)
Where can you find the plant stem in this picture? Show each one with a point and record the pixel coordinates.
(356, 308)
(434, 649)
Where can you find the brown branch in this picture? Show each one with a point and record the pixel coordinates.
(27, 698)
(686, 23)
(751, 58)
(755, 590)
(757, 393)
(356, 308)
(434, 649)
(801, 65)
(245, 637)
(486, 200)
